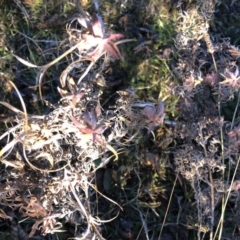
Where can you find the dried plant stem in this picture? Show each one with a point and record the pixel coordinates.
(226, 197)
(10, 130)
(24, 11)
(109, 199)
(212, 203)
(83, 210)
(211, 184)
(214, 62)
(169, 202)
(23, 105)
(225, 203)
(8, 146)
(85, 72)
(110, 148)
(125, 41)
(210, 48)
(90, 220)
(44, 68)
(144, 224)
(11, 107)
(220, 223)
(235, 111)
(36, 168)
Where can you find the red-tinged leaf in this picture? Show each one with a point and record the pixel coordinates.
(115, 36)
(99, 140)
(76, 99)
(98, 109)
(77, 123)
(112, 50)
(101, 128)
(149, 112)
(91, 118)
(86, 130)
(81, 126)
(97, 26)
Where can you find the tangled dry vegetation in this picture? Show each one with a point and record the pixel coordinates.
(54, 157)
(104, 162)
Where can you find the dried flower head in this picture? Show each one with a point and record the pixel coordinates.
(231, 77)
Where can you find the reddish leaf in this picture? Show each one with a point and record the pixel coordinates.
(99, 140)
(149, 112)
(77, 123)
(96, 37)
(112, 49)
(98, 109)
(115, 36)
(76, 99)
(98, 26)
(101, 128)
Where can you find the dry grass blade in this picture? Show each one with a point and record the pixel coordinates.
(86, 71)
(11, 130)
(48, 65)
(169, 202)
(65, 73)
(11, 107)
(110, 148)
(24, 11)
(23, 105)
(144, 224)
(44, 68)
(28, 64)
(36, 168)
(226, 202)
(110, 200)
(8, 146)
